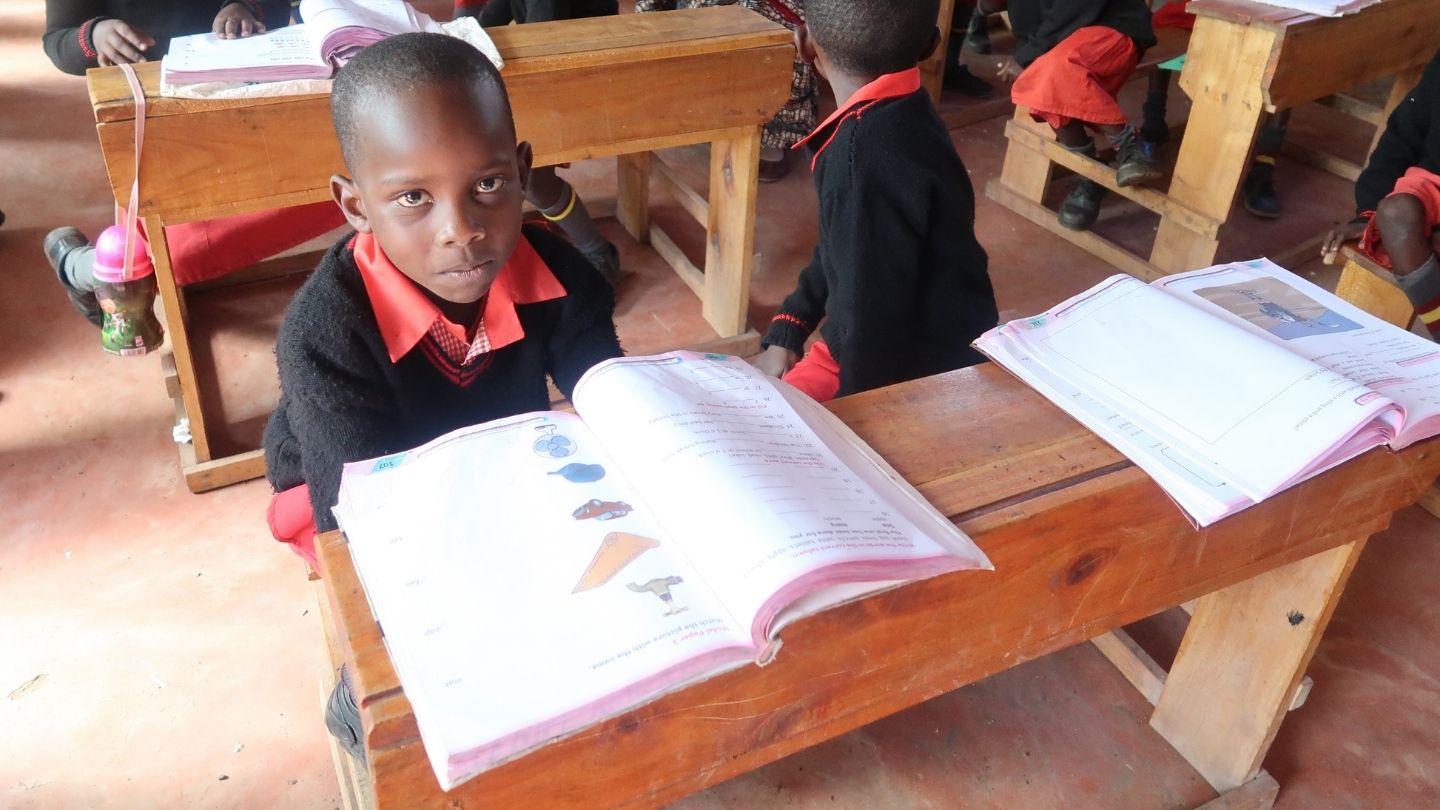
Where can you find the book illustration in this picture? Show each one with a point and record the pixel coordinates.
(1276, 307)
(552, 444)
(596, 509)
(580, 473)
(617, 550)
(661, 588)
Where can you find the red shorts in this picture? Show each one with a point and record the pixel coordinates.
(1078, 79)
(1417, 183)
(200, 251)
(292, 521)
(1173, 15)
(817, 373)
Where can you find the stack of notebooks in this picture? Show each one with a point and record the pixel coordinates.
(333, 32)
(1227, 384)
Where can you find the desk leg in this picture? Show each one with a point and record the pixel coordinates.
(632, 208)
(1242, 659)
(932, 70)
(1224, 73)
(730, 242)
(173, 302)
(1026, 172)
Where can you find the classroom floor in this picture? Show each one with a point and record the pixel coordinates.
(159, 650)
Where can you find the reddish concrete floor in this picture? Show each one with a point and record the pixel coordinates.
(161, 651)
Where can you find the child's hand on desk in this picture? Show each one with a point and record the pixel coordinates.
(235, 21)
(119, 43)
(1337, 238)
(776, 360)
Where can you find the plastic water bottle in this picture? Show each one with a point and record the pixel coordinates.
(130, 328)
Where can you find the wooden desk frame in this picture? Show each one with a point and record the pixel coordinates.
(1083, 542)
(709, 76)
(1245, 59)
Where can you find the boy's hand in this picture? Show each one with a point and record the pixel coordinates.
(776, 360)
(119, 43)
(1008, 70)
(235, 21)
(1337, 237)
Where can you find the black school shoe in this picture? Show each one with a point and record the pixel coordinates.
(1082, 205)
(60, 243)
(1135, 163)
(1258, 192)
(342, 718)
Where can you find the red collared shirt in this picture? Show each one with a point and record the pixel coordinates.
(891, 85)
(406, 316)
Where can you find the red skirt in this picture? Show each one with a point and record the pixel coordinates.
(292, 522)
(1078, 79)
(1417, 183)
(1174, 15)
(200, 251)
(817, 373)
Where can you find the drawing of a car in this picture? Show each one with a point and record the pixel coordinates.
(596, 509)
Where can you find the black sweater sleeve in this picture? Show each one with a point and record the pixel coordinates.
(801, 310)
(585, 332)
(1403, 143)
(1058, 21)
(68, 25)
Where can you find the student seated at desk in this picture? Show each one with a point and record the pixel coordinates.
(1072, 59)
(440, 311)
(81, 34)
(555, 198)
(1397, 198)
(897, 276)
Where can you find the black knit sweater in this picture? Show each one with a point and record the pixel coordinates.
(897, 276)
(70, 24)
(1412, 138)
(1040, 25)
(504, 12)
(341, 399)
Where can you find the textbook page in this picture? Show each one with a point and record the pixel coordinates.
(524, 589)
(1288, 311)
(341, 28)
(756, 499)
(280, 54)
(1261, 416)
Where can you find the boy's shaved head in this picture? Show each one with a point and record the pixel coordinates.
(400, 64)
(873, 37)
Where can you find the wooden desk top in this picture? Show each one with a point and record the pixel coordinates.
(1082, 542)
(578, 88)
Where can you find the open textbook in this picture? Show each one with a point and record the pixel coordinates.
(540, 573)
(1227, 384)
(333, 32)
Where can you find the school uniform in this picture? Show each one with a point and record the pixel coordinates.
(1077, 54)
(504, 12)
(898, 285)
(1407, 161)
(369, 366)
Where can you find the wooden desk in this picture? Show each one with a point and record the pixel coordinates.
(1245, 59)
(580, 89)
(1082, 542)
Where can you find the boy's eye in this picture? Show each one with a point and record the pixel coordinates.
(490, 185)
(411, 199)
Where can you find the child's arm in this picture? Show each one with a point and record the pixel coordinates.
(1062, 16)
(801, 311)
(585, 332)
(80, 35)
(1403, 143)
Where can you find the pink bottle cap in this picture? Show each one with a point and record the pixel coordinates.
(110, 256)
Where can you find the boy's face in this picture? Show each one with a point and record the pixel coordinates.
(439, 180)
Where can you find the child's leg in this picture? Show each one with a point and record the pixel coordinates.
(1258, 190)
(1153, 126)
(1405, 236)
(1404, 232)
(559, 203)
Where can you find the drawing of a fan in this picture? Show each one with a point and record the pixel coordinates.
(552, 444)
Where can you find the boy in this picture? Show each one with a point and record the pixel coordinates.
(1072, 59)
(1397, 199)
(82, 34)
(440, 311)
(897, 275)
(556, 199)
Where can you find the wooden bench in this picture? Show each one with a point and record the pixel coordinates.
(1244, 59)
(580, 89)
(1083, 542)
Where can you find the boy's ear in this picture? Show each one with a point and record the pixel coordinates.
(805, 44)
(934, 45)
(347, 196)
(525, 159)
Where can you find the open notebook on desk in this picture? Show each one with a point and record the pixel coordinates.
(538, 574)
(1227, 384)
